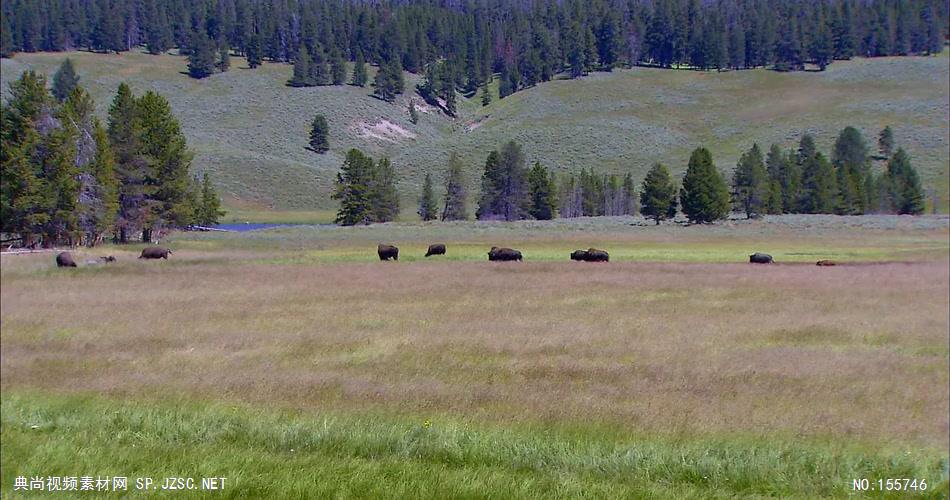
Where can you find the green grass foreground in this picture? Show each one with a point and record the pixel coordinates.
(282, 454)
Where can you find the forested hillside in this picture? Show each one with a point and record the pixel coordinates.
(524, 43)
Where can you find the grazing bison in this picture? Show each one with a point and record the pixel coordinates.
(155, 253)
(579, 255)
(761, 258)
(826, 262)
(65, 259)
(503, 254)
(437, 249)
(387, 252)
(595, 255)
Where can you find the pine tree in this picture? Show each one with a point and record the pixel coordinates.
(543, 193)
(658, 194)
(486, 96)
(224, 58)
(492, 180)
(359, 71)
(785, 176)
(384, 198)
(905, 184)
(337, 68)
(65, 80)
(254, 51)
(822, 49)
(7, 48)
(319, 68)
(704, 196)
(201, 60)
(164, 146)
(319, 134)
(413, 114)
(302, 73)
(353, 189)
(885, 142)
(750, 183)
(388, 82)
(102, 169)
(850, 159)
(209, 205)
(131, 167)
(455, 194)
(427, 205)
(629, 203)
(819, 192)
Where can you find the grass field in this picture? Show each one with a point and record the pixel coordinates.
(250, 130)
(295, 364)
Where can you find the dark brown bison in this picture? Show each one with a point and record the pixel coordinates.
(65, 259)
(761, 258)
(595, 255)
(826, 262)
(503, 254)
(155, 253)
(437, 249)
(579, 255)
(387, 252)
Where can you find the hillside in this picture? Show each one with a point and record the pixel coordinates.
(250, 130)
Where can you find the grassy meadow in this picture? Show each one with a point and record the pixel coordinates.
(250, 130)
(294, 363)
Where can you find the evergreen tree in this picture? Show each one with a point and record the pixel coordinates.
(6, 38)
(320, 134)
(704, 196)
(254, 51)
(850, 159)
(337, 68)
(629, 195)
(388, 82)
(65, 80)
(413, 114)
(750, 183)
(905, 185)
(302, 73)
(492, 181)
(785, 176)
(201, 61)
(822, 49)
(164, 146)
(819, 192)
(209, 205)
(504, 185)
(224, 59)
(658, 194)
(885, 142)
(427, 204)
(384, 199)
(359, 71)
(131, 168)
(319, 68)
(486, 96)
(455, 195)
(353, 189)
(543, 193)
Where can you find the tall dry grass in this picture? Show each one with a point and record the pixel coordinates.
(854, 352)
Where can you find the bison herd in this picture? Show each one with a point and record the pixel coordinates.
(65, 259)
(390, 252)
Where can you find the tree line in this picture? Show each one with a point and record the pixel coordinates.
(462, 45)
(67, 179)
(802, 180)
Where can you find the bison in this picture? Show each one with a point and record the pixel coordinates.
(579, 255)
(595, 255)
(155, 253)
(387, 252)
(503, 254)
(65, 259)
(826, 262)
(437, 249)
(761, 258)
